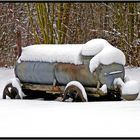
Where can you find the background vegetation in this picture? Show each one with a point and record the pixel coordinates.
(58, 23)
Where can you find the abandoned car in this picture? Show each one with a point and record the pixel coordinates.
(73, 72)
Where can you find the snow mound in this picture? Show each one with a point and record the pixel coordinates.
(104, 53)
(94, 46)
(79, 85)
(107, 56)
(130, 87)
(68, 53)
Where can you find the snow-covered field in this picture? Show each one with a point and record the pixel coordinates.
(38, 118)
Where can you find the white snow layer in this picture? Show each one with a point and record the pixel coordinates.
(52, 53)
(130, 87)
(105, 54)
(80, 86)
(127, 88)
(101, 50)
(104, 88)
(94, 46)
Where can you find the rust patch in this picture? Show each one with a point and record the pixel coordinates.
(70, 72)
(46, 88)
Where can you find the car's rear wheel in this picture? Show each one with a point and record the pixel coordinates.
(10, 92)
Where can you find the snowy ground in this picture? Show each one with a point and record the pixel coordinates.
(37, 118)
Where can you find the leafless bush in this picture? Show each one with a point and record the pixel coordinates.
(119, 23)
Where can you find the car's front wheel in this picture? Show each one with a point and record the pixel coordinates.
(74, 92)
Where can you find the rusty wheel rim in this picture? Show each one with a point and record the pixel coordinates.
(74, 94)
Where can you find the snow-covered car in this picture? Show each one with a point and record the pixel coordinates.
(74, 72)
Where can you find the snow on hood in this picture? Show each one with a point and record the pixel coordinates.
(107, 56)
(104, 53)
(94, 46)
(101, 50)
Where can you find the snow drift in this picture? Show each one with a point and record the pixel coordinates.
(37, 118)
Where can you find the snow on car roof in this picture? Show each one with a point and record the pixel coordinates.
(65, 53)
(101, 50)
